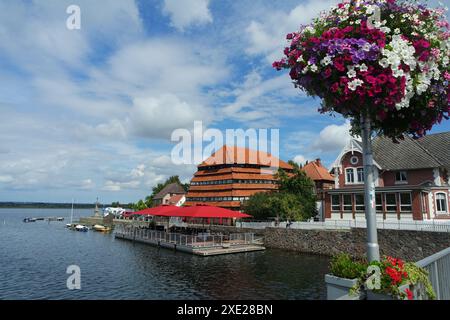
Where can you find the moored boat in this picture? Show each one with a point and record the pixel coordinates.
(29, 220)
(81, 228)
(101, 228)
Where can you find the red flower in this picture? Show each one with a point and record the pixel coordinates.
(339, 64)
(409, 294)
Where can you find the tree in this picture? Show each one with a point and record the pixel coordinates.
(295, 199)
(115, 204)
(140, 205)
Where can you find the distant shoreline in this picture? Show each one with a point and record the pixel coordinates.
(44, 205)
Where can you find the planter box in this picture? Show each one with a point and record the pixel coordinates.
(339, 288)
(381, 296)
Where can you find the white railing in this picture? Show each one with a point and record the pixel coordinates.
(432, 226)
(438, 267)
(196, 241)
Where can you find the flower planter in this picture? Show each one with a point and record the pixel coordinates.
(382, 296)
(339, 288)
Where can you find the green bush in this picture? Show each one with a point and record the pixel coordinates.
(343, 266)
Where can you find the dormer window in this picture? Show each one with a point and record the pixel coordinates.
(401, 177)
(350, 177)
(354, 175)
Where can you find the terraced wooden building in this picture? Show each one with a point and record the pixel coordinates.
(231, 175)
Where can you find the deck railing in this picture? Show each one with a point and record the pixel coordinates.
(195, 241)
(431, 226)
(438, 267)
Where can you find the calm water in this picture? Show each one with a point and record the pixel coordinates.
(34, 258)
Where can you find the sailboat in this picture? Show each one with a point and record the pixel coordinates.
(70, 225)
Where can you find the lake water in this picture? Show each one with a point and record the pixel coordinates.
(34, 258)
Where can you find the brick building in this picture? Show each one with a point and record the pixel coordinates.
(411, 180)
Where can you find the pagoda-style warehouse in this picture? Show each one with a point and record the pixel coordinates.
(231, 175)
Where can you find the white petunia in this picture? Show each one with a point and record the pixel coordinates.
(363, 67)
(352, 85)
(351, 73)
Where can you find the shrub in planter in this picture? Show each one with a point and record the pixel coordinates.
(344, 266)
(345, 274)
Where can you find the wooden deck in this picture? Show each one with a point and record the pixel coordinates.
(200, 249)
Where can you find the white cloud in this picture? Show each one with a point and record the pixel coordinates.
(187, 12)
(267, 35)
(265, 100)
(332, 138)
(301, 160)
(157, 117)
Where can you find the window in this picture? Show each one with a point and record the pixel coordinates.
(379, 202)
(359, 202)
(401, 177)
(350, 178)
(391, 202)
(441, 202)
(405, 202)
(360, 172)
(347, 202)
(354, 160)
(336, 202)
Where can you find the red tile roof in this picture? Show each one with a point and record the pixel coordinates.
(317, 172)
(175, 199)
(239, 155)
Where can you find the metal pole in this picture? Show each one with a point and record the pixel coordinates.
(373, 249)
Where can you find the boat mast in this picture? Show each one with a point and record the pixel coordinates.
(71, 213)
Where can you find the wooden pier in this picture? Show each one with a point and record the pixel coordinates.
(211, 245)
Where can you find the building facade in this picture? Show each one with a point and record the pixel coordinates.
(168, 195)
(323, 181)
(411, 180)
(233, 174)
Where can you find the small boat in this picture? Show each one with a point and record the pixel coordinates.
(81, 228)
(60, 219)
(29, 220)
(101, 228)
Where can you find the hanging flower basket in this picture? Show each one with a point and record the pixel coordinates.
(387, 60)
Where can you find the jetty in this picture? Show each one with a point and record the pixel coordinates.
(202, 244)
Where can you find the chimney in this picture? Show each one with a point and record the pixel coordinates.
(318, 162)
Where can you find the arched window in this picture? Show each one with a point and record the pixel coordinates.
(441, 203)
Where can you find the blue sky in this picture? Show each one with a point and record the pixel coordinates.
(90, 112)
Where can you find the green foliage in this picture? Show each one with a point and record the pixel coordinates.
(115, 204)
(295, 199)
(419, 276)
(343, 266)
(140, 205)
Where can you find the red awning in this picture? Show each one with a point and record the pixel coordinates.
(193, 212)
(157, 211)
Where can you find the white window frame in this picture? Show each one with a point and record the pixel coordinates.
(359, 207)
(405, 205)
(354, 173)
(401, 181)
(357, 175)
(347, 171)
(345, 206)
(445, 203)
(387, 205)
(333, 206)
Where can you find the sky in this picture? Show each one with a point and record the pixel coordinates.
(89, 112)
